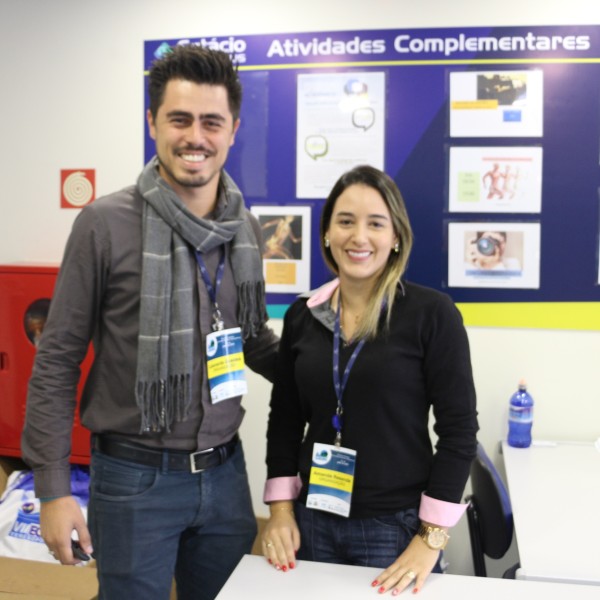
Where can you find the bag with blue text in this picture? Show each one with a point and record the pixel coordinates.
(20, 514)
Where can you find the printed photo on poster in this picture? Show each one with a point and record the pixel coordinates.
(286, 254)
(496, 103)
(494, 255)
(495, 179)
(340, 124)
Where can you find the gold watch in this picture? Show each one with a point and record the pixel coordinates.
(435, 537)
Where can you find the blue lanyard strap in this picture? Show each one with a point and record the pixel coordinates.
(340, 384)
(211, 289)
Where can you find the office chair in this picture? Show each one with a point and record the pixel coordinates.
(489, 515)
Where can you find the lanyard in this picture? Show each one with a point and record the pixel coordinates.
(213, 290)
(340, 384)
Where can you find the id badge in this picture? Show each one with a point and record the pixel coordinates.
(331, 479)
(225, 364)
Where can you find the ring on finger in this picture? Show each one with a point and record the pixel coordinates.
(410, 574)
(269, 544)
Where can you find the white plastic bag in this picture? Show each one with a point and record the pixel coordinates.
(20, 514)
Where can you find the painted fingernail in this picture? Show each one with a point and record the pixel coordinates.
(278, 567)
(415, 590)
(292, 565)
(381, 590)
(284, 568)
(375, 583)
(395, 592)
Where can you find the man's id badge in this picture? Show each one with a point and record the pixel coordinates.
(225, 364)
(331, 479)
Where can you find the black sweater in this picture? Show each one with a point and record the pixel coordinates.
(422, 362)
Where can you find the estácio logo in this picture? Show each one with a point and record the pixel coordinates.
(322, 456)
(212, 347)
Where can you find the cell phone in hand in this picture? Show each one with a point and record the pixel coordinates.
(78, 551)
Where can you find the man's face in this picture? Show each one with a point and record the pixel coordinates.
(193, 131)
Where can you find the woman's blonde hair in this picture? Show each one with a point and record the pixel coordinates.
(386, 287)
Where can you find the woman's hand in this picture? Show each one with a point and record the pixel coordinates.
(413, 565)
(281, 537)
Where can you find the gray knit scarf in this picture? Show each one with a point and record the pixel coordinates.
(165, 343)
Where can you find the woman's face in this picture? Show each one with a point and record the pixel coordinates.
(361, 234)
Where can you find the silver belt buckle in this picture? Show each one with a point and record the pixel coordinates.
(193, 455)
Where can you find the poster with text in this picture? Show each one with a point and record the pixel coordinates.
(495, 179)
(494, 255)
(496, 103)
(286, 248)
(340, 124)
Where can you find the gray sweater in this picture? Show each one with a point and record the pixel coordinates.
(97, 298)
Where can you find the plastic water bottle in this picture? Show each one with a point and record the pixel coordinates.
(520, 418)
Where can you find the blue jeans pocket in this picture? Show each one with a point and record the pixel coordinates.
(118, 479)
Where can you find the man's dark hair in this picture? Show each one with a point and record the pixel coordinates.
(200, 65)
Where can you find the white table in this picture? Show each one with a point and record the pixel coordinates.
(255, 579)
(555, 494)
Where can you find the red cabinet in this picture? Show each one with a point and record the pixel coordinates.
(25, 294)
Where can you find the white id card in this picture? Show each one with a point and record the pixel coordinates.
(331, 479)
(225, 364)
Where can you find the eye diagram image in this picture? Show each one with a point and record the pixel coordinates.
(494, 255)
(486, 251)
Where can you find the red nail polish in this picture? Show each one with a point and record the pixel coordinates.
(381, 590)
(270, 561)
(292, 565)
(284, 568)
(416, 590)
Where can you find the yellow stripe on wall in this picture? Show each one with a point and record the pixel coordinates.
(532, 315)
(583, 316)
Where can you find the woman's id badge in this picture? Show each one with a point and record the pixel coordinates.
(331, 479)
(225, 364)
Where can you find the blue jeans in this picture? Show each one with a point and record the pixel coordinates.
(372, 542)
(149, 525)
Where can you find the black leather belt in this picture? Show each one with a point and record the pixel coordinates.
(173, 460)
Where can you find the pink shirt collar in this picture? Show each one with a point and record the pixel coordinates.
(323, 294)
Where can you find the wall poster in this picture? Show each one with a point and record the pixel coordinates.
(488, 132)
(286, 256)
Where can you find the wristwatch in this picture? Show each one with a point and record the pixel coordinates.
(435, 537)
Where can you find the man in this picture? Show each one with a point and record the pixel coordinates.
(158, 275)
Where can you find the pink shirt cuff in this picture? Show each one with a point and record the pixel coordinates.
(439, 512)
(282, 488)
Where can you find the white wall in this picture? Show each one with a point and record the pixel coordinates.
(71, 97)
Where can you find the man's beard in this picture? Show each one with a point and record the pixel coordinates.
(191, 181)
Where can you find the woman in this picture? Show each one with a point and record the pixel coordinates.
(361, 363)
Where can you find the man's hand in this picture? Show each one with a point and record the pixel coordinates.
(58, 519)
